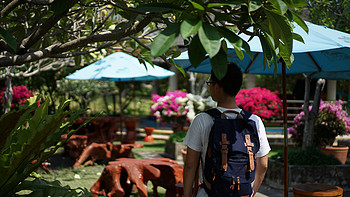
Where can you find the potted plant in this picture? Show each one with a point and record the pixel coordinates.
(331, 121)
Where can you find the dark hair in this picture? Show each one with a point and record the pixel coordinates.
(232, 80)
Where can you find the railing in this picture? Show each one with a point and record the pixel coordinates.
(294, 107)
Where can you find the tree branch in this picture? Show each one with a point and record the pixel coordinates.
(42, 30)
(41, 2)
(52, 66)
(115, 35)
(12, 5)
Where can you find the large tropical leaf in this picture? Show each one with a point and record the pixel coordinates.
(219, 64)
(165, 39)
(189, 27)
(196, 52)
(34, 139)
(210, 39)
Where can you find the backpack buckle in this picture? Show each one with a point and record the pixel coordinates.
(224, 151)
(249, 145)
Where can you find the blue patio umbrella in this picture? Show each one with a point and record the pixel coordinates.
(325, 53)
(120, 67)
(325, 50)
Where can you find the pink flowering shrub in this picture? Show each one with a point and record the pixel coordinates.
(331, 121)
(20, 94)
(260, 101)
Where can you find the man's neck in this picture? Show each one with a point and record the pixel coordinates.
(227, 102)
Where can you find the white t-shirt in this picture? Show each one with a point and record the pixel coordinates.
(197, 136)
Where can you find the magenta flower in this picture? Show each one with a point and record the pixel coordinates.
(260, 101)
(331, 121)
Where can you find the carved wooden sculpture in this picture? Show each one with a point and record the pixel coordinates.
(119, 176)
(108, 151)
(75, 145)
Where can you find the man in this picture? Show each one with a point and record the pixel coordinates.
(223, 92)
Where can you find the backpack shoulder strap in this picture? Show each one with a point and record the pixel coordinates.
(246, 114)
(215, 113)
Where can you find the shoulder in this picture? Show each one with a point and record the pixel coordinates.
(255, 118)
(202, 117)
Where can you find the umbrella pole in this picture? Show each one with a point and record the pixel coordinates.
(285, 132)
(134, 95)
(120, 109)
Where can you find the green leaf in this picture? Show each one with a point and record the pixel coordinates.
(267, 51)
(228, 3)
(45, 188)
(254, 5)
(300, 22)
(219, 64)
(30, 141)
(298, 37)
(8, 38)
(77, 60)
(197, 6)
(293, 4)
(280, 5)
(237, 42)
(210, 39)
(59, 6)
(165, 39)
(196, 52)
(157, 7)
(178, 67)
(176, 54)
(189, 27)
(286, 56)
(281, 32)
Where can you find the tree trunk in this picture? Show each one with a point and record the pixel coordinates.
(173, 80)
(106, 103)
(8, 92)
(197, 87)
(192, 80)
(311, 116)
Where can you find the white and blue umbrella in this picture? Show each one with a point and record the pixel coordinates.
(121, 67)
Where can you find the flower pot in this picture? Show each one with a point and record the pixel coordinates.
(339, 152)
(149, 131)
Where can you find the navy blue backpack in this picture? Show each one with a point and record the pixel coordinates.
(231, 155)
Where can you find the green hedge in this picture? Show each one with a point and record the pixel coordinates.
(178, 136)
(311, 156)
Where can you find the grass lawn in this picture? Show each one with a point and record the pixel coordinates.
(61, 167)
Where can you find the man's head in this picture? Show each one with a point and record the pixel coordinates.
(232, 81)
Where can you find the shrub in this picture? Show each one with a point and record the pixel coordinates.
(260, 101)
(311, 156)
(20, 94)
(331, 121)
(177, 136)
